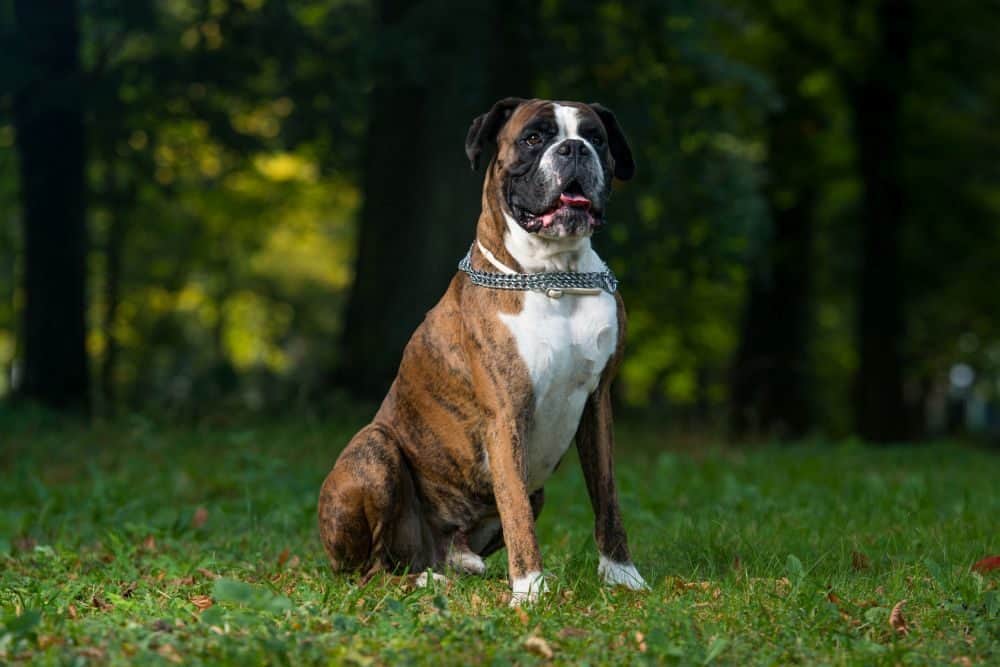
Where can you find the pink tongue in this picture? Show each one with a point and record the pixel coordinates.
(574, 200)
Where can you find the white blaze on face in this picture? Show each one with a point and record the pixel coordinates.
(568, 124)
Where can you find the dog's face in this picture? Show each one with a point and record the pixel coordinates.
(554, 163)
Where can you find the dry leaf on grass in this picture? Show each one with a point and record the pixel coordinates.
(539, 647)
(128, 588)
(897, 620)
(170, 653)
(25, 543)
(987, 564)
(859, 561)
(45, 641)
(203, 602)
(522, 615)
(149, 544)
(71, 611)
(283, 557)
(208, 574)
(97, 602)
(199, 518)
(93, 652)
(640, 641)
(570, 631)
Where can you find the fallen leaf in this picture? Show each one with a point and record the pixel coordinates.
(293, 562)
(737, 564)
(45, 641)
(100, 603)
(203, 602)
(170, 653)
(283, 557)
(25, 543)
(128, 588)
(183, 581)
(859, 561)
(149, 544)
(987, 564)
(208, 574)
(71, 611)
(962, 661)
(522, 615)
(95, 652)
(162, 625)
(896, 619)
(570, 631)
(539, 647)
(834, 598)
(199, 518)
(640, 640)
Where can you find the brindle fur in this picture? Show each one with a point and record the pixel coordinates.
(444, 456)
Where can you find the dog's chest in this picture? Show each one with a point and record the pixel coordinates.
(565, 344)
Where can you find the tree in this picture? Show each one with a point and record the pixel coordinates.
(421, 202)
(769, 388)
(876, 100)
(48, 117)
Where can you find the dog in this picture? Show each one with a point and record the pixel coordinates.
(513, 364)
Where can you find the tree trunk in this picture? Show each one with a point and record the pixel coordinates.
(120, 201)
(769, 389)
(421, 202)
(48, 118)
(876, 103)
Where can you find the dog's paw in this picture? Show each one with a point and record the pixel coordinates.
(527, 589)
(425, 579)
(621, 574)
(466, 562)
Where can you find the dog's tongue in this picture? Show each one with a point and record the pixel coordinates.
(571, 199)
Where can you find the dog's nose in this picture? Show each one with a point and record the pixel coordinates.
(570, 148)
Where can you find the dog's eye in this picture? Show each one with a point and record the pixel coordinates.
(533, 139)
(597, 140)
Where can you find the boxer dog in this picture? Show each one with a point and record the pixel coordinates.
(513, 364)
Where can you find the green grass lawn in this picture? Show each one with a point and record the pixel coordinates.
(115, 540)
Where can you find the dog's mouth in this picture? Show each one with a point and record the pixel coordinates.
(572, 213)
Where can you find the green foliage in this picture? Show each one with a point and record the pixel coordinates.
(226, 152)
(773, 556)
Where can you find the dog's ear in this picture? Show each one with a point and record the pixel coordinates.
(486, 127)
(617, 143)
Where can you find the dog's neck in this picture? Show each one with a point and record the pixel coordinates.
(522, 251)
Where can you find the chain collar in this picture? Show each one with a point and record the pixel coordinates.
(553, 284)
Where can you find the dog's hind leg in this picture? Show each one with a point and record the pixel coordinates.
(361, 503)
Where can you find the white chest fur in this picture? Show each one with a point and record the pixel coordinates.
(565, 344)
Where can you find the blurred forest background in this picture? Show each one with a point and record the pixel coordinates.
(223, 206)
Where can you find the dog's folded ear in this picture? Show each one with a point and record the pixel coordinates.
(617, 143)
(486, 127)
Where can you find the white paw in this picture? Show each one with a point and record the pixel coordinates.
(621, 574)
(466, 562)
(527, 589)
(425, 579)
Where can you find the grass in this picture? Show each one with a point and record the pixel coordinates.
(114, 540)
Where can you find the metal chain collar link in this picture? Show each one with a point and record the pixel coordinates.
(553, 284)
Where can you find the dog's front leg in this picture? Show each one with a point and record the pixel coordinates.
(524, 559)
(595, 441)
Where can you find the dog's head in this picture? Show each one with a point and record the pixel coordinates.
(554, 163)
